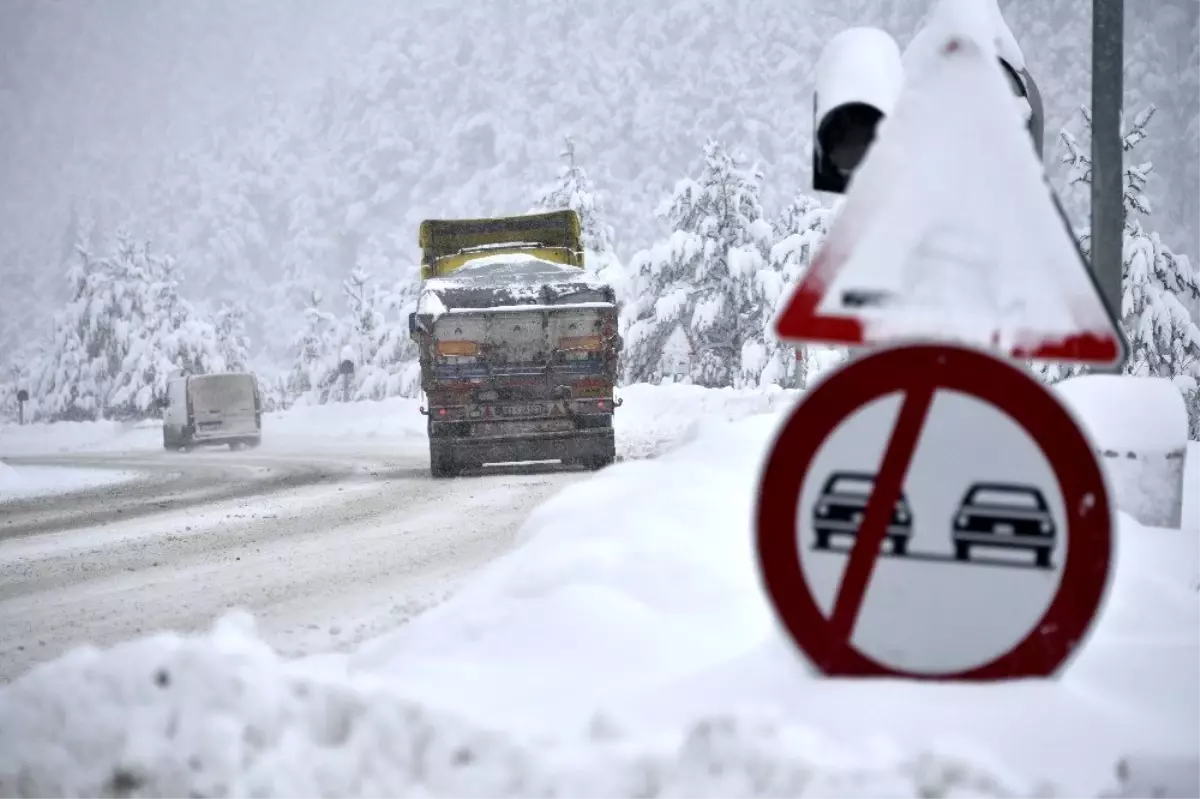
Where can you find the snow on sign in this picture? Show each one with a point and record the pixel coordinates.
(950, 230)
(932, 512)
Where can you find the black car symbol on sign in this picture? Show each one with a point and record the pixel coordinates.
(1007, 516)
(842, 503)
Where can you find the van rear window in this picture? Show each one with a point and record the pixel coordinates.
(222, 391)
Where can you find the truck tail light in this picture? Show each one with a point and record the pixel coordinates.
(457, 348)
(585, 343)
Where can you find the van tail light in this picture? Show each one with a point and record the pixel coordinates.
(457, 348)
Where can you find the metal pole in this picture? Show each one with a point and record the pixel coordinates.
(20, 413)
(1108, 212)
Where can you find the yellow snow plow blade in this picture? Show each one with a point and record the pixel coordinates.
(448, 244)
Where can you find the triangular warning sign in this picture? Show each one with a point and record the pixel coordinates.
(950, 231)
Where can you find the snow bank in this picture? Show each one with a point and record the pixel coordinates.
(654, 419)
(1190, 513)
(637, 593)
(1128, 414)
(1140, 427)
(222, 715)
(58, 437)
(43, 481)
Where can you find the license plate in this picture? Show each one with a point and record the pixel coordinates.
(521, 428)
(533, 409)
(1003, 529)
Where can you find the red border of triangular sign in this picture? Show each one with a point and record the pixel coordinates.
(800, 323)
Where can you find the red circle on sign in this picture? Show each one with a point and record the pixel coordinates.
(907, 369)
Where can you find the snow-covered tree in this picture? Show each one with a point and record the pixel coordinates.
(310, 348)
(123, 331)
(1160, 290)
(702, 278)
(574, 190)
(799, 231)
(373, 334)
(164, 333)
(232, 338)
(393, 369)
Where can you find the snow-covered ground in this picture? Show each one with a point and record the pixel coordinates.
(624, 648)
(39, 481)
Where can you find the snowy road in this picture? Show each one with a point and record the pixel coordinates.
(326, 546)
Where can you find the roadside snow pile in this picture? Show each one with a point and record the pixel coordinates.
(637, 592)
(1139, 426)
(1128, 414)
(45, 481)
(223, 715)
(101, 436)
(656, 418)
(395, 417)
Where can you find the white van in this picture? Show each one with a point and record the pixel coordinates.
(212, 409)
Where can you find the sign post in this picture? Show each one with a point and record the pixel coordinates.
(346, 369)
(1108, 166)
(22, 398)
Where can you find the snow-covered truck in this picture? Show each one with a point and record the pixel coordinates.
(518, 345)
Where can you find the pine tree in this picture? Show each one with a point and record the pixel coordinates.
(164, 333)
(799, 231)
(574, 190)
(311, 373)
(1159, 288)
(393, 369)
(73, 383)
(702, 278)
(232, 339)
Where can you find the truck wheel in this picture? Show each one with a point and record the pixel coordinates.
(822, 541)
(962, 550)
(899, 545)
(1043, 558)
(440, 463)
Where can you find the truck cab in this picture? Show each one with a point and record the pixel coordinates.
(518, 345)
(212, 409)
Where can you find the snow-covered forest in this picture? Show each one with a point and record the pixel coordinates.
(269, 221)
